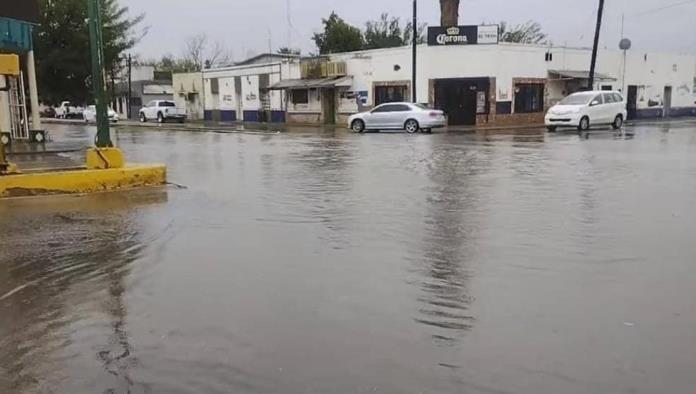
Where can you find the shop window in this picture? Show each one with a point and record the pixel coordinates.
(529, 98)
(389, 94)
(300, 96)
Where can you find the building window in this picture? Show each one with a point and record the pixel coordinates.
(214, 86)
(390, 94)
(529, 98)
(300, 96)
(607, 88)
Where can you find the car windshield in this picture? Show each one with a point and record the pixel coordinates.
(577, 99)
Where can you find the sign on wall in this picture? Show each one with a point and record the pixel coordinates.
(463, 35)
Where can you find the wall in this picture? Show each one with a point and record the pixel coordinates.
(505, 62)
(230, 105)
(189, 86)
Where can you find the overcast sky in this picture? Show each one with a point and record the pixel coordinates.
(246, 25)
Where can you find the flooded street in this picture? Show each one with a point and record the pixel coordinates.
(330, 262)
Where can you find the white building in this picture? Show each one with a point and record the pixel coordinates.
(188, 94)
(474, 84)
(240, 92)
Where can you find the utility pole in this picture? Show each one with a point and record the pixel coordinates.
(103, 139)
(595, 48)
(414, 33)
(130, 82)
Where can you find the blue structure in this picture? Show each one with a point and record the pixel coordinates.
(15, 35)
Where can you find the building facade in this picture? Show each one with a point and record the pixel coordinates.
(241, 92)
(494, 84)
(188, 94)
(146, 84)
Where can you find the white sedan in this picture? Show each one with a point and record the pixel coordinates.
(398, 116)
(90, 115)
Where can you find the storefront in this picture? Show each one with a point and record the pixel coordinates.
(464, 71)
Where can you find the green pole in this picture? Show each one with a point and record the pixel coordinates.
(103, 139)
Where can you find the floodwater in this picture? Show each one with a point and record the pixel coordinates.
(328, 262)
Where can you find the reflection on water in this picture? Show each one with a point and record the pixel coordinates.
(451, 226)
(64, 260)
(329, 262)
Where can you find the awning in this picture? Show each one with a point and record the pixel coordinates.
(312, 83)
(576, 74)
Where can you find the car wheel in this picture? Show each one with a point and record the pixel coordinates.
(551, 129)
(411, 126)
(584, 124)
(160, 118)
(618, 122)
(358, 126)
(143, 119)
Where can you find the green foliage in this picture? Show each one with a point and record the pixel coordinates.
(386, 32)
(338, 36)
(61, 42)
(383, 33)
(529, 32)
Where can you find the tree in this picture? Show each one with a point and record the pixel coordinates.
(62, 45)
(529, 32)
(383, 33)
(386, 32)
(199, 54)
(338, 36)
(408, 33)
(449, 12)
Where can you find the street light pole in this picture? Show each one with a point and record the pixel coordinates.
(130, 81)
(414, 33)
(103, 139)
(595, 48)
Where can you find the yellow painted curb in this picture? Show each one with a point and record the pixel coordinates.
(82, 181)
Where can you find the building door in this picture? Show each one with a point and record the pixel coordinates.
(632, 102)
(667, 102)
(457, 98)
(329, 105)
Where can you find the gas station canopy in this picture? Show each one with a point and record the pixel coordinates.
(16, 20)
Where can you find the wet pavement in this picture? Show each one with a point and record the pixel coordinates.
(328, 262)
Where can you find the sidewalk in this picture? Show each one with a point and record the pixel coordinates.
(200, 126)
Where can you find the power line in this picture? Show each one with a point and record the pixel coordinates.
(666, 7)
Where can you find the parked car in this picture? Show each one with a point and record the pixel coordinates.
(90, 115)
(398, 116)
(586, 109)
(162, 110)
(67, 111)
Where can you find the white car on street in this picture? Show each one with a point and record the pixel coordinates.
(585, 109)
(90, 115)
(398, 116)
(162, 111)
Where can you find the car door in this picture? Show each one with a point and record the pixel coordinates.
(379, 117)
(150, 110)
(398, 116)
(596, 110)
(611, 107)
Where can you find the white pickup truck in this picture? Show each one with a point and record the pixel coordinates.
(162, 111)
(67, 111)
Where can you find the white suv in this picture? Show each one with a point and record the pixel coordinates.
(584, 109)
